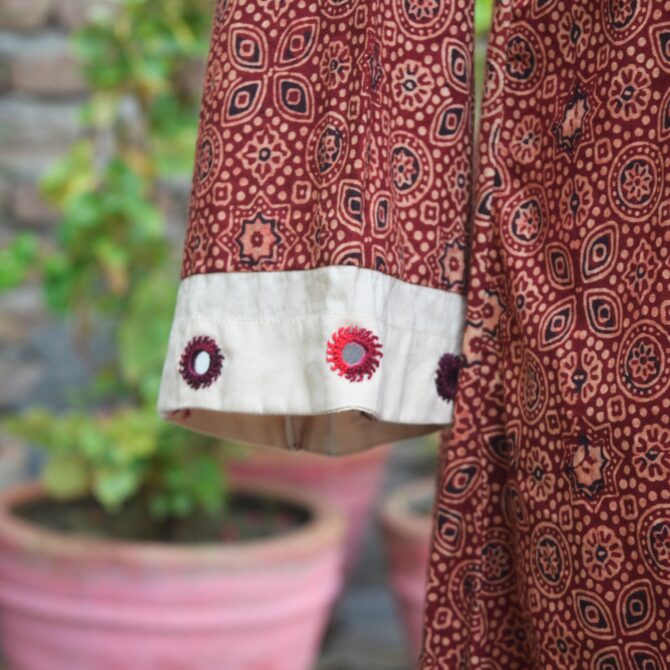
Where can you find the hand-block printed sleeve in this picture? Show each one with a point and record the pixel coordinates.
(321, 301)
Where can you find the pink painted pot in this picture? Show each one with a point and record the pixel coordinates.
(349, 482)
(78, 604)
(406, 535)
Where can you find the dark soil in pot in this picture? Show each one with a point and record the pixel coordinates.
(247, 517)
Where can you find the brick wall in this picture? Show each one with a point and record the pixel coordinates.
(40, 95)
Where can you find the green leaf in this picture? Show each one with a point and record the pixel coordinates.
(144, 332)
(102, 110)
(65, 476)
(113, 486)
(59, 282)
(17, 261)
(483, 17)
(71, 176)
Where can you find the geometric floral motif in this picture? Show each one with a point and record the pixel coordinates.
(622, 20)
(497, 560)
(654, 534)
(557, 323)
(524, 57)
(643, 270)
(260, 227)
(449, 530)
(460, 479)
(602, 553)
(457, 64)
(289, 90)
(661, 44)
(532, 388)
(636, 180)
(651, 449)
(526, 218)
(643, 372)
(608, 659)
(636, 607)
(208, 159)
(604, 312)
(580, 374)
(551, 561)
(559, 266)
(450, 123)
(420, 19)
(590, 463)
(644, 657)
(410, 168)
(327, 149)
(562, 645)
(599, 252)
(573, 125)
(593, 614)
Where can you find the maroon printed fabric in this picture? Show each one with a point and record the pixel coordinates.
(335, 133)
(551, 545)
(338, 132)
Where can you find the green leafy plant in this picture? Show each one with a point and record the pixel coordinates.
(16, 261)
(111, 268)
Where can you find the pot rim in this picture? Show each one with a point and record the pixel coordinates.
(394, 514)
(324, 529)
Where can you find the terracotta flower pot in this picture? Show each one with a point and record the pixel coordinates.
(349, 482)
(84, 604)
(405, 518)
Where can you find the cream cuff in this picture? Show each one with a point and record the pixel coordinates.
(332, 360)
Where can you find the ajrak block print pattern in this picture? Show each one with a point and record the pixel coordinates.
(551, 544)
(345, 128)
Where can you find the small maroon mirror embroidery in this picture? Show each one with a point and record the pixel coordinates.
(446, 378)
(201, 362)
(354, 353)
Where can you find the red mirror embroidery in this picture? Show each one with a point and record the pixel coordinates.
(354, 353)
